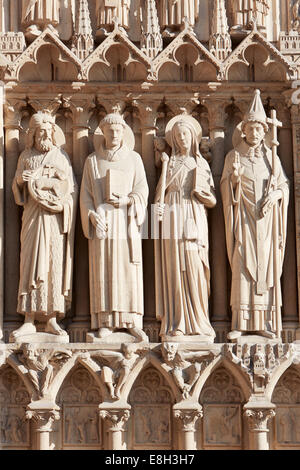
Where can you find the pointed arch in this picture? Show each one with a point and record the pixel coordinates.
(150, 359)
(239, 375)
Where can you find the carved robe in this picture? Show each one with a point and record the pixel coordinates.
(243, 11)
(116, 272)
(106, 10)
(47, 240)
(181, 255)
(40, 12)
(173, 12)
(249, 236)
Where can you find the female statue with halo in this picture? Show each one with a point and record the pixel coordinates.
(184, 192)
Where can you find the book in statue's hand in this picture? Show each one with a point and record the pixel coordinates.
(201, 181)
(116, 183)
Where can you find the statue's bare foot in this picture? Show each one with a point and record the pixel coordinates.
(53, 327)
(139, 334)
(26, 329)
(103, 332)
(234, 335)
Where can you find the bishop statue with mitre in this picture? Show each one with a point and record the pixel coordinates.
(255, 194)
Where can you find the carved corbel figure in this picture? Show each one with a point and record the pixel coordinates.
(40, 364)
(116, 366)
(185, 366)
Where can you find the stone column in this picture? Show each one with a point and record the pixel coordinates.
(1, 210)
(295, 117)
(14, 17)
(12, 124)
(43, 420)
(115, 420)
(258, 427)
(148, 114)
(219, 265)
(80, 110)
(187, 424)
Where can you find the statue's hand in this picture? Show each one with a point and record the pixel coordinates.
(119, 201)
(99, 222)
(159, 210)
(26, 176)
(270, 201)
(237, 173)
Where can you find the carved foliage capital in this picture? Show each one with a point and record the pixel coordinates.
(112, 106)
(43, 418)
(183, 106)
(258, 418)
(49, 104)
(79, 109)
(115, 418)
(147, 112)
(188, 418)
(13, 112)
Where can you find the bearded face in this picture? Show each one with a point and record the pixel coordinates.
(44, 137)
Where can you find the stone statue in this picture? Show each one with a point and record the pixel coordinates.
(185, 366)
(40, 365)
(114, 195)
(174, 12)
(255, 193)
(245, 12)
(117, 366)
(109, 10)
(45, 186)
(37, 14)
(181, 255)
(296, 15)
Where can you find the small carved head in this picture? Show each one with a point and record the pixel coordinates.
(128, 350)
(28, 351)
(41, 132)
(169, 351)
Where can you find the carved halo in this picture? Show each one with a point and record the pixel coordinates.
(128, 140)
(238, 136)
(185, 118)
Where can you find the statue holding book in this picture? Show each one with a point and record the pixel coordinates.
(184, 193)
(114, 196)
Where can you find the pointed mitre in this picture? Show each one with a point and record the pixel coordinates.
(256, 112)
